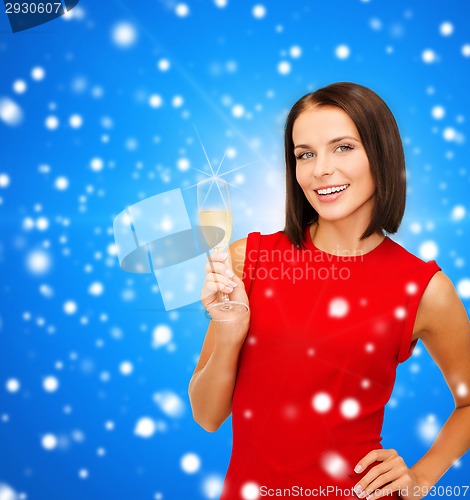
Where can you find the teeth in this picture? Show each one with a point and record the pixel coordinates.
(333, 189)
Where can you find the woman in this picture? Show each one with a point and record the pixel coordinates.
(335, 305)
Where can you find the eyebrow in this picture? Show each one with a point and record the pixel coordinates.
(333, 141)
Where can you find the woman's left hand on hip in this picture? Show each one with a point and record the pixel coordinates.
(389, 476)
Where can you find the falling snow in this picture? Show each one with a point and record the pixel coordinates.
(38, 262)
(462, 390)
(177, 101)
(295, 51)
(458, 213)
(155, 101)
(238, 111)
(212, 486)
(446, 28)
(342, 51)
(463, 288)
(96, 288)
(438, 112)
(13, 385)
(400, 313)
(428, 429)
(163, 64)
(50, 384)
(145, 427)
(169, 403)
(126, 368)
(334, 464)
(61, 183)
(75, 121)
(124, 34)
(182, 10)
(284, 68)
(250, 491)
(70, 307)
(322, 402)
(52, 122)
(428, 250)
(161, 335)
(49, 442)
(4, 180)
(259, 11)
(190, 463)
(38, 73)
(428, 56)
(8, 493)
(350, 408)
(20, 86)
(10, 112)
(96, 164)
(338, 308)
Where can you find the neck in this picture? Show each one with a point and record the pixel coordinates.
(342, 237)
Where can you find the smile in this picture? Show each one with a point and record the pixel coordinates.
(330, 190)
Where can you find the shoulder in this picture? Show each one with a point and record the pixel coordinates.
(411, 267)
(438, 303)
(440, 290)
(237, 255)
(239, 247)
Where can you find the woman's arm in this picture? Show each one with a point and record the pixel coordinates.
(442, 324)
(445, 332)
(211, 387)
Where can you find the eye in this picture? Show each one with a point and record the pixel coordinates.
(302, 156)
(344, 148)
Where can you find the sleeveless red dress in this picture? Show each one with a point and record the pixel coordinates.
(318, 364)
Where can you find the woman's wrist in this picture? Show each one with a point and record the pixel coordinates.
(422, 488)
(232, 334)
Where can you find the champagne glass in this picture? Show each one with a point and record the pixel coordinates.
(213, 200)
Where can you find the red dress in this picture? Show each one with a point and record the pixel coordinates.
(318, 364)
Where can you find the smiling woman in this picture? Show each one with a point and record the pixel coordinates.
(307, 373)
(335, 171)
(343, 120)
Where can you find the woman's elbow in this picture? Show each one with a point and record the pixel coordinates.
(207, 426)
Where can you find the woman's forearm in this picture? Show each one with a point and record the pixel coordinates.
(211, 389)
(451, 443)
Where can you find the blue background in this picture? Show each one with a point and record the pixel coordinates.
(55, 243)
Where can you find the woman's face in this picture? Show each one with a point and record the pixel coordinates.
(328, 154)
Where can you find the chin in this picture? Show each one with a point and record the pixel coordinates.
(332, 210)
(334, 215)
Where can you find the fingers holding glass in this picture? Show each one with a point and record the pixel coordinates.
(215, 213)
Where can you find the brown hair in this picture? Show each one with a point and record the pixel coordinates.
(380, 137)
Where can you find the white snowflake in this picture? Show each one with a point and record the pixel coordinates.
(322, 402)
(190, 463)
(338, 308)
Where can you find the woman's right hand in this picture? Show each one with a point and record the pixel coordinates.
(220, 277)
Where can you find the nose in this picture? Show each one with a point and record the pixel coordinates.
(323, 166)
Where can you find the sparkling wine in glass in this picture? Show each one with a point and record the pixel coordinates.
(213, 199)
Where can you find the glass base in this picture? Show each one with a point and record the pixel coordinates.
(227, 311)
